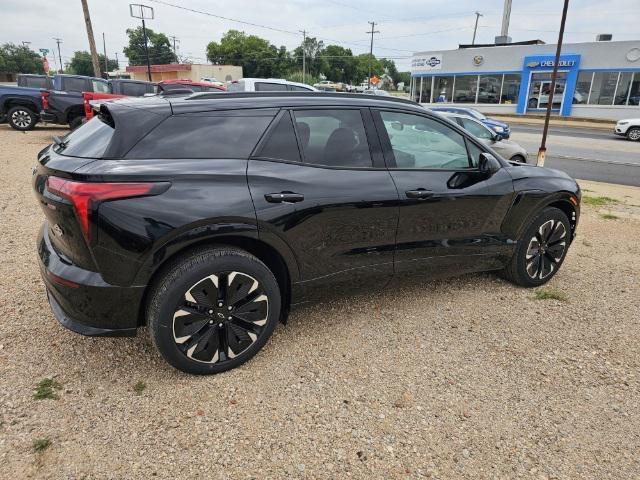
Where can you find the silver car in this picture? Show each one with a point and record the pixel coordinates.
(508, 149)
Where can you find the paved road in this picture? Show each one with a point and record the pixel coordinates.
(589, 154)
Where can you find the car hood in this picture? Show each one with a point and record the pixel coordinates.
(522, 171)
(495, 123)
(630, 120)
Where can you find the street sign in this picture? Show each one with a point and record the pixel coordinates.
(141, 11)
(44, 51)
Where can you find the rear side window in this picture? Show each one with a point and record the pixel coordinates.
(270, 87)
(33, 82)
(190, 136)
(335, 138)
(282, 144)
(100, 86)
(133, 89)
(71, 84)
(296, 88)
(89, 141)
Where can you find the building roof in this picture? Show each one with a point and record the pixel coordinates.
(482, 45)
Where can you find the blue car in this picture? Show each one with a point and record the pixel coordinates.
(500, 128)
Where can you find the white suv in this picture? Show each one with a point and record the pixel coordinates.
(268, 85)
(629, 128)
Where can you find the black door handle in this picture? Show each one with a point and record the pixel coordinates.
(419, 193)
(284, 197)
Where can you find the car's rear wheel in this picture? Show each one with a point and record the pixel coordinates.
(633, 134)
(541, 250)
(213, 310)
(22, 118)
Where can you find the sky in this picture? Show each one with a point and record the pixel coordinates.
(405, 26)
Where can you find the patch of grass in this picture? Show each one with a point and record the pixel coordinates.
(45, 390)
(598, 201)
(41, 444)
(139, 387)
(609, 216)
(550, 295)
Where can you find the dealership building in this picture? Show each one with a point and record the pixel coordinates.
(595, 79)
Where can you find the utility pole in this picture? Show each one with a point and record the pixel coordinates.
(117, 62)
(59, 41)
(26, 44)
(92, 43)
(506, 16)
(373, 30)
(174, 39)
(475, 29)
(543, 144)
(304, 53)
(106, 60)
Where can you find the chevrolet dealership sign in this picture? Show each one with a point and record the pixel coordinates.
(426, 63)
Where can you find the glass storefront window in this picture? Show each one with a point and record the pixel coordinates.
(622, 92)
(425, 96)
(442, 89)
(634, 94)
(465, 89)
(603, 88)
(489, 88)
(583, 85)
(510, 89)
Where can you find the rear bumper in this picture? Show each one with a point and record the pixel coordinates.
(82, 301)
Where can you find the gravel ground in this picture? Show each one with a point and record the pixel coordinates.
(463, 378)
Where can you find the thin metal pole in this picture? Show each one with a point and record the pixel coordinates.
(475, 29)
(146, 49)
(304, 53)
(543, 144)
(106, 61)
(59, 41)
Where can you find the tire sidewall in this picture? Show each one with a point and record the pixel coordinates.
(547, 214)
(27, 110)
(171, 292)
(633, 129)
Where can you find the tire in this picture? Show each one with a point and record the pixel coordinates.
(633, 134)
(519, 158)
(22, 118)
(549, 232)
(76, 122)
(207, 329)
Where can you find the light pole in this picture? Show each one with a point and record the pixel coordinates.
(143, 12)
(475, 29)
(543, 144)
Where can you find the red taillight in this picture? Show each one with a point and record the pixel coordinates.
(84, 195)
(45, 100)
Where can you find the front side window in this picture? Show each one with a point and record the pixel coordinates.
(100, 87)
(270, 87)
(200, 136)
(420, 142)
(335, 138)
(72, 84)
(476, 129)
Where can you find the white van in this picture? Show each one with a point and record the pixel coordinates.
(268, 85)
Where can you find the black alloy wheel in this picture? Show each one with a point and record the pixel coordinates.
(213, 310)
(541, 249)
(21, 118)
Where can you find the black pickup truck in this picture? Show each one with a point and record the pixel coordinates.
(19, 106)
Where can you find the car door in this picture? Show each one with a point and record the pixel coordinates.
(450, 212)
(320, 188)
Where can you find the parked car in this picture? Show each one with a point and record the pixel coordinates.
(506, 148)
(213, 80)
(268, 85)
(19, 106)
(629, 128)
(497, 126)
(326, 85)
(208, 217)
(377, 91)
(180, 84)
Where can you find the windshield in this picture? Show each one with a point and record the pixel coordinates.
(476, 114)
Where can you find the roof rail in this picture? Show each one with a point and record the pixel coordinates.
(359, 96)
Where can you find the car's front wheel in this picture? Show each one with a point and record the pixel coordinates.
(213, 310)
(541, 250)
(22, 118)
(633, 134)
(519, 158)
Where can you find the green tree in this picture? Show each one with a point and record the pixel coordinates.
(362, 67)
(19, 59)
(81, 64)
(316, 64)
(160, 52)
(341, 65)
(257, 56)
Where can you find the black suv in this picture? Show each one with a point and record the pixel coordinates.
(207, 217)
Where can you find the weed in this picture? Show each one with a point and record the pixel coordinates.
(550, 295)
(609, 216)
(45, 390)
(41, 444)
(139, 387)
(598, 201)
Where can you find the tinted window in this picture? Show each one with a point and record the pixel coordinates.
(101, 87)
(296, 88)
(186, 136)
(33, 82)
(282, 143)
(476, 129)
(74, 84)
(133, 89)
(270, 87)
(336, 138)
(419, 142)
(89, 141)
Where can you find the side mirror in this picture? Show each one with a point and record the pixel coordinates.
(495, 137)
(488, 164)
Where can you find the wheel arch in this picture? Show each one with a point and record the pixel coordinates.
(284, 272)
(10, 102)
